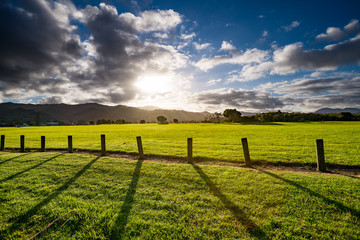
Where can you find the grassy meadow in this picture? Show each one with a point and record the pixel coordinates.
(275, 142)
(134, 199)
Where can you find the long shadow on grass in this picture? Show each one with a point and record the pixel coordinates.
(7, 160)
(23, 218)
(329, 201)
(239, 214)
(122, 219)
(28, 169)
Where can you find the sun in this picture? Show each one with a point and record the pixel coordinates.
(154, 83)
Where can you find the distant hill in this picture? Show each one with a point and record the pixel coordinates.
(338, 110)
(89, 112)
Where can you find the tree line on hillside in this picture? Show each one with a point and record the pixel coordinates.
(160, 119)
(232, 115)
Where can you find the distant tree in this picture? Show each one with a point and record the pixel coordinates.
(142, 121)
(92, 123)
(345, 116)
(232, 115)
(30, 123)
(176, 120)
(81, 122)
(161, 119)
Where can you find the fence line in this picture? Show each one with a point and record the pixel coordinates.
(320, 155)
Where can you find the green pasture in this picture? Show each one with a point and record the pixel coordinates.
(128, 199)
(275, 142)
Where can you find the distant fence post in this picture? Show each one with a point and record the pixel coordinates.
(246, 151)
(70, 144)
(190, 150)
(140, 147)
(320, 155)
(2, 147)
(103, 147)
(42, 144)
(22, 143)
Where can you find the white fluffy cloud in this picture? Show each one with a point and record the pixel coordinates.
(148, 21)
(201, 46)
(291, 26)
(226, 46)
(337, 34)
(213, 82)
(249, 56)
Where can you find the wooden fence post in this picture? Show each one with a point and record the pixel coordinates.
(190, 150)
(22, 143)
(140, 147)
(42, 144)
(2, 147)
(103, 147)
(320, 156)
(246, 152)
(70, 144)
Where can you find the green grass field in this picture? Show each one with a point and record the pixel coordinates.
(128, 199)
(275, 142)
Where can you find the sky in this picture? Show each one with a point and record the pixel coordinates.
(254, 55)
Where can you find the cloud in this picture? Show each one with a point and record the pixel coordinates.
(249, 56)
(290, 27)
(37, 44)
(336, 34)
(201, 46)
(251, 72)
(334, 85)
(294, 57)
(213, 82)
(285, 60)
(312, 94)
(228, 47)
(148, 21)
(188, 36)
(52, 60)
(242, 99)
(264, 35)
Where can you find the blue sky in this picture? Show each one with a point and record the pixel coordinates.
(255, 56)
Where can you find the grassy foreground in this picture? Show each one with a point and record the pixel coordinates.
(275, 142)
(123, 199)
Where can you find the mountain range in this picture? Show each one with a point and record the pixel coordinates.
(90, 112)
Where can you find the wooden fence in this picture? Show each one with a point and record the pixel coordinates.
(319, 149)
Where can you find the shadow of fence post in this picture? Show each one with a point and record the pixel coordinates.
(250, 226)
(122, 219)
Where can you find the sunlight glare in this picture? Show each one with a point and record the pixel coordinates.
(154, 83)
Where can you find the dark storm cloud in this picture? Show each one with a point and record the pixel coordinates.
(33, 43)
(241, 99)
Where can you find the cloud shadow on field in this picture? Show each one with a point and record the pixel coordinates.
(24, 218)
(122, 218)
(250, 226)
